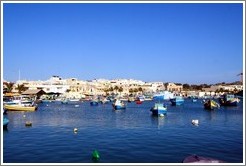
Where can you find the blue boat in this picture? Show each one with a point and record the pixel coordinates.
(5, 122)
(228, 100)
(178, 100)
(159, 109)
(94, 103)
(117, 105)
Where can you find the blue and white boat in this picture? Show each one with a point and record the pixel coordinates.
(178, 100)
(5, 122)
(166, 95)
(94, 103)
(118, 104)
(159, 109)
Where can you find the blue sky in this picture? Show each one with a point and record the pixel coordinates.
(185, 43)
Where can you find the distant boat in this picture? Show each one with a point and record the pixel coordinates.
(200, 159)
(178, 100)
(118, 104)
(94, 103)
(159, 109)
(139, 102)
(166, 95)
(211, 104)
(5, 122)
(228, 100)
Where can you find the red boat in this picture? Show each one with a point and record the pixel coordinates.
(138, 102)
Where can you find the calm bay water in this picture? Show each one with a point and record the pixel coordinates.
(123, 136)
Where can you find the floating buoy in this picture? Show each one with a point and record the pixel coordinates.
(24, 116)
(75, 130)
(195, 122)
(76, 105)
(95, 155)
(28, 124)
(47, 105)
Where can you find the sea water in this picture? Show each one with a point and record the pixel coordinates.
(132, 135)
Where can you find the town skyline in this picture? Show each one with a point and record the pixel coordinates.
(183, 43)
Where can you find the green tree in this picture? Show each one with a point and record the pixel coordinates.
(186, 86)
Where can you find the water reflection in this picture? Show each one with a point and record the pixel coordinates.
(158, 121)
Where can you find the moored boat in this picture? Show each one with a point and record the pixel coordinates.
(18, 107)
(139, 102)
(178, 100)
(159, 109)
(118, 104)
(211, 104)
(228, 100)
(94, 103)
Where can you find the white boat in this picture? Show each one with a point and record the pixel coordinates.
(166, 95)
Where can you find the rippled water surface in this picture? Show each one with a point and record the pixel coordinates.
(123, 136)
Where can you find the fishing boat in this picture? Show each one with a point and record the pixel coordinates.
(139, 102)
(211, 104)
(201, 159)
(5, 122)
(20, 105)
(118, 104)
(166, 95)
(228, 100)
(178, 100)
(159, 109)
(94, 103)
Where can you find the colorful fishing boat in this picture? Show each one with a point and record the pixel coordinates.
(118, 104)
(211, 105)
(228, 100)
(159, 109)
(178, 100)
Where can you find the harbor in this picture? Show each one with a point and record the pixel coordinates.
(69, 133)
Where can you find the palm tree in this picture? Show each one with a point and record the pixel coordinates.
(106, 91)
(140, 89)
(9, 86)
(21, 88)
(116, 88)
(120, 90)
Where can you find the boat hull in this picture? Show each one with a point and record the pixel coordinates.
(20, 108)
(228, 103)
(158, 112)
(118, 107)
